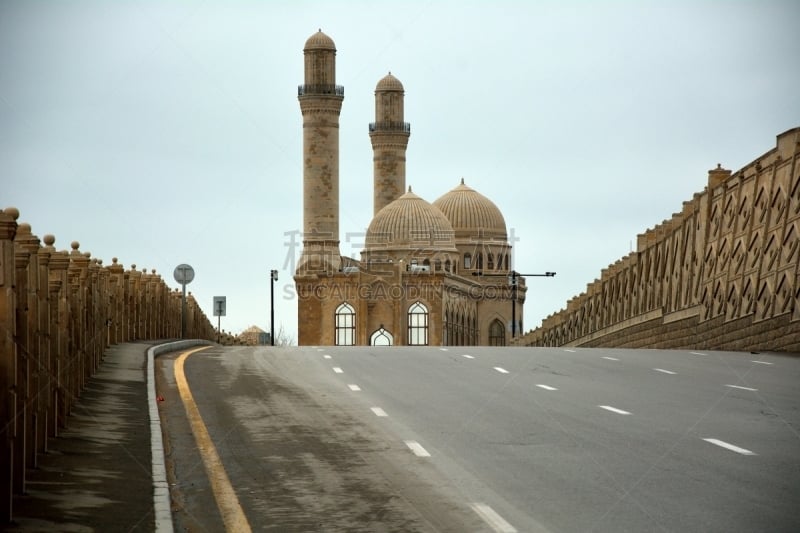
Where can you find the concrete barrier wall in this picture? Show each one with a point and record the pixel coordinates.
(59, 311)
(720, 274)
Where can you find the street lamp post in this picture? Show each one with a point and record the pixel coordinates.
(273, 277)
(513, 277)
(512, 280)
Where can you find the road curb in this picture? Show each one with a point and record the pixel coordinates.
(161, 501)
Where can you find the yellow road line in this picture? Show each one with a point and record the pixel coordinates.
(227, 502)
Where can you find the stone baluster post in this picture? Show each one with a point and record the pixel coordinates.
(23, 347)
(59, 331)
(136, 279)
(191, 318)
(161, 322)
(149, 298)
(95, 331)
(77, 271)
(29, 244)
(117, 296)
(143, 308)
(100, 316)
(104, 311)
(144, 311)
(46, 327)
(175, 314)
(104, 303)
(8, 371)
(155, 316)
(60, 268)
(127, 332)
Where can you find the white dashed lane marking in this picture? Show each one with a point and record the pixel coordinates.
(467, 356)
(664, 371)
(495, 521)
(610, 358)
(417, 448)
(337, 370)
(729, 446)
(697, 353)
(742, 388)
(570, 351)
(613, 409)
(501, 370)
(355, 388)
(546, 387)
(443, 349)
(326, 356)
(378, 411)
(761, 362)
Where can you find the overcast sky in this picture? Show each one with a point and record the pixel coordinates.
(168, 133)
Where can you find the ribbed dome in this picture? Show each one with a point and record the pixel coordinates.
(319, 41)
(410, 223)
(389, 83)
(469, 212)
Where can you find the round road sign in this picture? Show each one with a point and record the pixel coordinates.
(184, 274)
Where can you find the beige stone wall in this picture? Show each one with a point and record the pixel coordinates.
(378, 300)
(59, 311)
(459, 310)
(721, 274)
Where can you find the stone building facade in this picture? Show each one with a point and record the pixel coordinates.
(720, 274)
(430, 273)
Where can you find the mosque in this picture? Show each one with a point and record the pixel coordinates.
(433, 274)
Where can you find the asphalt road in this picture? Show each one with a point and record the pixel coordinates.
(486, 439)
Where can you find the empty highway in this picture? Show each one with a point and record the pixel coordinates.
(485, 439)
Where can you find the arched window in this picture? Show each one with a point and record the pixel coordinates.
(345, 324)
(447, 266)
(479, 261)
(497, 334)
(417, 325)
(467, 260)
(381, 338)
(489, 262)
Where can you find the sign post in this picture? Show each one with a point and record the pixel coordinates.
(184, 274)
(219, 311)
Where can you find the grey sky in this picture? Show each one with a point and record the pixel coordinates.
(163, 133)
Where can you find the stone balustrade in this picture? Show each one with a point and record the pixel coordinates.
(59, 311)
(723, 274)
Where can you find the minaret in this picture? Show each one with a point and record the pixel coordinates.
(320, 102)
(389, 136)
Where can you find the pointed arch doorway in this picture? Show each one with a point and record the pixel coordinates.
(381, 337)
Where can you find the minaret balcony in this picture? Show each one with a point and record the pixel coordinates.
(324, 89)
(404, 127)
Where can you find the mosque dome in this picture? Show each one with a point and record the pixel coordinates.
(319, 41)
(389, 83)
(469, 212)
(410, 223)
